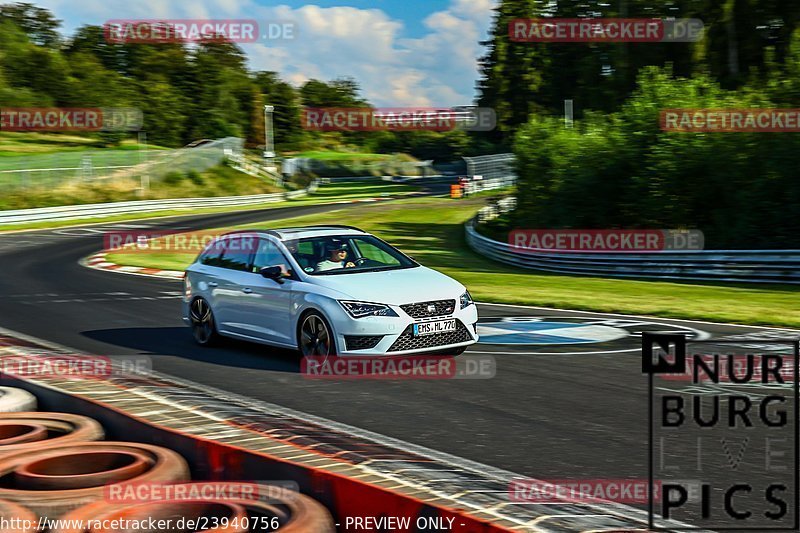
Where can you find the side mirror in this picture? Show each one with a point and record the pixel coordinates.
(274, 273)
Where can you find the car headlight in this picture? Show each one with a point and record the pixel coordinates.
(362, 309)
(466, 300)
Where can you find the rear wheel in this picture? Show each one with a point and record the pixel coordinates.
(315, 337)
(204, 329)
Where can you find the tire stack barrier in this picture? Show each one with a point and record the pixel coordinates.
(51, 482)
(16, 400)
(56, 465)
(20, 432)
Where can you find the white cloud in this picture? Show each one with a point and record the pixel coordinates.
(436, 69)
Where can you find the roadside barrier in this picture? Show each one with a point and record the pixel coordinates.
(53, 465)
(86, 211)
(338, 489)
(744, 266)
(53, 481)
(293, 514)
(34, 431)
(15, 400)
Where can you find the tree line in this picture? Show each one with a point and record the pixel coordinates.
(616, 168)
(185, 92)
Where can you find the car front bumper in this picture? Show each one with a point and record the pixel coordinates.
(394, 335)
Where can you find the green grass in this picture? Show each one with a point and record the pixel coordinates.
(431, 230)
(12, 144)
(365, 189)
(326, 194)
(220, 180)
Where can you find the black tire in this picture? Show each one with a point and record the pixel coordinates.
(315, 337)
(204, 328)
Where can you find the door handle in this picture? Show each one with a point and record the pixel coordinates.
(212, 284)
(247, 290)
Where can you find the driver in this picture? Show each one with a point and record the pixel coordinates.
(337, 258)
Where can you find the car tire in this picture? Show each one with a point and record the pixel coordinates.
(204, 328)
(315, 337)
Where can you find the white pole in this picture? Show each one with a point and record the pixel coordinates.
(269, 143)
(568, 114)
(145, 178)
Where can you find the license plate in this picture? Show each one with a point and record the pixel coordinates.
(431, 328)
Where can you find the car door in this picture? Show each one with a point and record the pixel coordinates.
(265, 304)
(206, 275)
(234, 267)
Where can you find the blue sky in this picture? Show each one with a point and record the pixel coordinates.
(411, 12)
(402, 52)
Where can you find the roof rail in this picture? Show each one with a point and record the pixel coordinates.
(341, 226)
(240, 231)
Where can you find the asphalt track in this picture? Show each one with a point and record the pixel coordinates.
(568, 400)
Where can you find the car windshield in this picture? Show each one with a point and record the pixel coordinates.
(330, 255)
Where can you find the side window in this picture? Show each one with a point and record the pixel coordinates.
(212, 255)
(267, 255)
(237, 253)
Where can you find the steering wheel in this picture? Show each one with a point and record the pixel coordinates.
(358, 262)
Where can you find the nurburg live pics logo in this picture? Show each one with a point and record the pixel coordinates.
(733, 425)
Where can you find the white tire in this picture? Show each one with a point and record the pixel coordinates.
(16, 400)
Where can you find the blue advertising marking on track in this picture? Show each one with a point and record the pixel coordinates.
(536, 332)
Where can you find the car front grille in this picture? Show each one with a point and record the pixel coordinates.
(362, 342)
(407, 340)
(429, 309)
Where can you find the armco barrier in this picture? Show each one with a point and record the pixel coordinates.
(746, 266)
(76, 212)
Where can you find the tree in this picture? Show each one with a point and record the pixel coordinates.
(511, 72)
(37, 23)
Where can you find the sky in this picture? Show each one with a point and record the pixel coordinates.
(401, 52)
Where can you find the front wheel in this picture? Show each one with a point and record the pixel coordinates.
(204, 330)
(315, 337)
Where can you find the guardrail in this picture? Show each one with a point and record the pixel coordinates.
(747, 266)
(85, 211)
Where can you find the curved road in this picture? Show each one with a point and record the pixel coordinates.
(560, 406)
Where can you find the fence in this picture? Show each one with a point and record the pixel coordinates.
(748, 266)
(491, 166)
(47, 171)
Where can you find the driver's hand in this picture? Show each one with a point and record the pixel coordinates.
(349, 264)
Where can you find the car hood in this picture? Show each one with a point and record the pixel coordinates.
(395, 287)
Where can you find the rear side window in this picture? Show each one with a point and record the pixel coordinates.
(234, 253)
(238, 252)
(212, 255)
